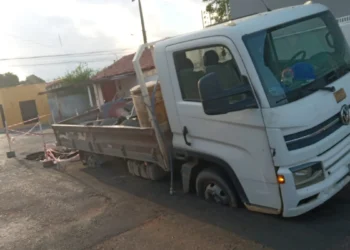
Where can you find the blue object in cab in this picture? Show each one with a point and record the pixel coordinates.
(303, 71)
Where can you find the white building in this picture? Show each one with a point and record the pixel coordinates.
(115, 81)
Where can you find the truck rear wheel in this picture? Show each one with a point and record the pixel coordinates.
(149, 171)
(211, 186)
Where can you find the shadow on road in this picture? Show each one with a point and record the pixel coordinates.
(326, 227)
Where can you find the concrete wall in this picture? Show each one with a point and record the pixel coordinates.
(241, 8)
(124, 85)
(69, 105)
(10, 98)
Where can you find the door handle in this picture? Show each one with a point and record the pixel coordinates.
(184, 133)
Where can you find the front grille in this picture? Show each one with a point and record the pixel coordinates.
(311, 136)
(338, 160)
(307, 200)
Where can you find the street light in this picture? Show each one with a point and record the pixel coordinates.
(142, 22)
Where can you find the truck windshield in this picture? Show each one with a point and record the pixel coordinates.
(295, 59)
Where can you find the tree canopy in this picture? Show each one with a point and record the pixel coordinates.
(33, 79)
(79, 74)
(10, 79)
(218, 9)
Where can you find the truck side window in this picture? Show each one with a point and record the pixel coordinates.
(193, 64)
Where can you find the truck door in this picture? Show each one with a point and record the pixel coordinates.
(238, 138)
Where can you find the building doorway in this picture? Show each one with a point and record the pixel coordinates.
(29, 111)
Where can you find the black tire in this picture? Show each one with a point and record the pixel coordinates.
(94, 161)
(211, 186)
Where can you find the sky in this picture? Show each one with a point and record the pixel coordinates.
(52, 27)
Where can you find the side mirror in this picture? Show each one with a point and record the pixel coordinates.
(217, 100)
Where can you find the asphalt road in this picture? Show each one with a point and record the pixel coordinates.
(73, 207)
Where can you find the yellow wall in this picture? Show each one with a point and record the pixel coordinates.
(10, 98)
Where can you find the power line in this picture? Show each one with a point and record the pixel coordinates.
(62, 62)
(65, 55)
(84, 55)
(91, 53)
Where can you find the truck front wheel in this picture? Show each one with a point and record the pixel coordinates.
(211, 186)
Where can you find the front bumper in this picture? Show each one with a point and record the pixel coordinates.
(313, 196)
(336, 164)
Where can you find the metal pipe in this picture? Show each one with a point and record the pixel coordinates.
(8, 136)
(42, 137)
(146, 98)
(142, 24)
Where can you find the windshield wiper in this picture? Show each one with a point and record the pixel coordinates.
(345, 69)
(293, 95)
(337, 73)
(302, 92)
(325, 88)
(331, 77)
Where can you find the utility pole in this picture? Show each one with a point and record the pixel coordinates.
(142, 22)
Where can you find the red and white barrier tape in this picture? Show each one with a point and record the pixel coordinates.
(24, 133)
(36, 134)
(28, 133)
(50, 156)
(21, 123)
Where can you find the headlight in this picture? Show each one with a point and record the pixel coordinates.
(307, 174)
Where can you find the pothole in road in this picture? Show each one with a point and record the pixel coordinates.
(37, 156)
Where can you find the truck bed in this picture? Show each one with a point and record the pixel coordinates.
(120, 141)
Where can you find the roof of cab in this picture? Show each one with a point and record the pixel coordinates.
(250, 24)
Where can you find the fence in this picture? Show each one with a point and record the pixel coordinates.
(49, 154)
(14, 134)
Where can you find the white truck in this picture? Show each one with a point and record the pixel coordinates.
(344, 23)
(258, 110)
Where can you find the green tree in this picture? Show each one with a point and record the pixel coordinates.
(79, 74)
(8, 79)
(33, 79)
(218, 9)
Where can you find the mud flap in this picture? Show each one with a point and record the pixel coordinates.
(186, 172)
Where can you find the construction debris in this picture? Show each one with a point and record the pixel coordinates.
(54, 155)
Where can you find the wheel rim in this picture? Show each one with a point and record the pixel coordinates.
(215, 193)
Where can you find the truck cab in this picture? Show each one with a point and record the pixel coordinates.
(264, 99)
